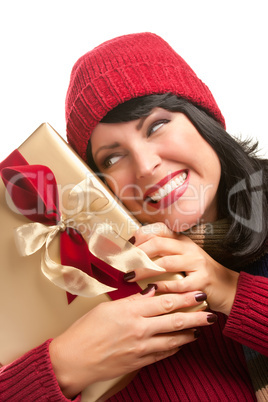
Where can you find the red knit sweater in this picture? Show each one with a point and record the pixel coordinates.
(213, 368)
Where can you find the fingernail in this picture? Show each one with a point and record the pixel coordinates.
(212, 318)
(200, 297)
(132, 240)
(153, 284)
(197, 333)
(129, 275)
(148, 289)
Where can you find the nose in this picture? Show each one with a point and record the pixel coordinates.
(146, 162)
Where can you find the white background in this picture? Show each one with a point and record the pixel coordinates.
(225, 42)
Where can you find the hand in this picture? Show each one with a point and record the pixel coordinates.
(122, 336)
(178, 253)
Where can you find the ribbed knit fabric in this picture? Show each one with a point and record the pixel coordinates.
(253, 307)
(213, 368)
(31, 378)
(256, 362)
(124, 68)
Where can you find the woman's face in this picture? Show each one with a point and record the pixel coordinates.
(160, 167)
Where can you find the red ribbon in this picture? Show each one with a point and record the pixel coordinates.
(34, 192)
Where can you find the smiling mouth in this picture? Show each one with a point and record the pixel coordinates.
(173, 184)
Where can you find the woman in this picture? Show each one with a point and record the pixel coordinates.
(139, 115)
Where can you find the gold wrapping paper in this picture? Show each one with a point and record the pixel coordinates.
(34, 308)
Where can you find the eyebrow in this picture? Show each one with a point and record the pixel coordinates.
(110, 146)
(141, 121)
(116, 144)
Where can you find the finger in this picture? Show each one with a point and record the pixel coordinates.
(164, 304)
(175, 322)
(171, 286)
(178, 263)
(171, 263)
(157, 346)
(184, 284)
(149, 231)
(161, 246)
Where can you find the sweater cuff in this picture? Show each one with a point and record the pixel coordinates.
(31, 377)
(247, 322)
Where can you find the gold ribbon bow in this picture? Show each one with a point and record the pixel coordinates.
(85, 204)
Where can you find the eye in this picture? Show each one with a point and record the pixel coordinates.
(110, 161)
(156, 126)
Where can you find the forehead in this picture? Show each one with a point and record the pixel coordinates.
(105, 132)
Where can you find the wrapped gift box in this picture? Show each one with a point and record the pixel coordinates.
(34, 308)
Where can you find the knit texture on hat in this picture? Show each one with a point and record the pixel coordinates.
(124, 68)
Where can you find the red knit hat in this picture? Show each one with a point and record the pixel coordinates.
(124, 68)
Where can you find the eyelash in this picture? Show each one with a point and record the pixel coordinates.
(155, 124)
(106, 163)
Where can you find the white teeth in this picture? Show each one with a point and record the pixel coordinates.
(157, 198)
(173, 184)
(169, 187)
(161, 192)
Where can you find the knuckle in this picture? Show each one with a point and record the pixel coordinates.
(156, 242)
(163, 354)
(160, 227)
(166, 261)
(166, 286)
(172, 342)
(206, 278)
(140, 332)
(167, 303)
(188, 299)
(201, 259)
(177, 322)
(140, 349)
(159, 356)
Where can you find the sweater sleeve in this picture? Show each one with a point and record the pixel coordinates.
(248, 320)
(31, 378)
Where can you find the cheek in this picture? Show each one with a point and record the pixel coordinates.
(214, 168)
(114, 185)
(124, 189)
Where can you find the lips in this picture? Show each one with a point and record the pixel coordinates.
(168, 190)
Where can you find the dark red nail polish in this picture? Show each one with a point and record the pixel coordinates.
(148, 289)
(211, 318)
(132, 240)
(200, 297)
(153, 284)
(129, 275)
